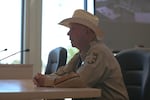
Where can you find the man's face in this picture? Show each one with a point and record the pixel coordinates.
(78, 35)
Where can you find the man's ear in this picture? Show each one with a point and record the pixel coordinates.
(91, 34)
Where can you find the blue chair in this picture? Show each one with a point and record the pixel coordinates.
(57, 57)
(135, 66)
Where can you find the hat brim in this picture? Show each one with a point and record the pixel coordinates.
(96, 29)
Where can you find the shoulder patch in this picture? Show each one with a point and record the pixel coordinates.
(91, 58)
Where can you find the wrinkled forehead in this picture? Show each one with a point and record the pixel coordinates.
(77, 25)
(80, 26)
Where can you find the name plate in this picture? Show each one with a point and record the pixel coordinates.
(16, 71)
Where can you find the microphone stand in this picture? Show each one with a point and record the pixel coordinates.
(26, 50)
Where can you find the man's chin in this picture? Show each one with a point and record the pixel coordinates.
(72, 44)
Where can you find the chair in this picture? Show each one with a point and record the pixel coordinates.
(57, 57)
(135, 66)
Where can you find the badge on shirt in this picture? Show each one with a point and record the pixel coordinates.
(90, 59)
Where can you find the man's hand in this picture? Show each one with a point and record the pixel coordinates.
(70, 80)
(39, 79)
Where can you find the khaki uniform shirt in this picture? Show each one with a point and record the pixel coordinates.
(99, 69)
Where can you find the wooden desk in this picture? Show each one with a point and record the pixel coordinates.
(25, 90)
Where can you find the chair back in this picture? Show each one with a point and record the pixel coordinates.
(57, 57)
(135, 66)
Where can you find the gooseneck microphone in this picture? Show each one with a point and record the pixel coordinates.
(26, 50)
(3, 50)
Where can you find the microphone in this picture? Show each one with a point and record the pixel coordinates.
(26, 50)
(3, 50)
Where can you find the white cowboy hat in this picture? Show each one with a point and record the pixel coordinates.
(85, 18)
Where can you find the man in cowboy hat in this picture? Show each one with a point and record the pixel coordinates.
(93, 66)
